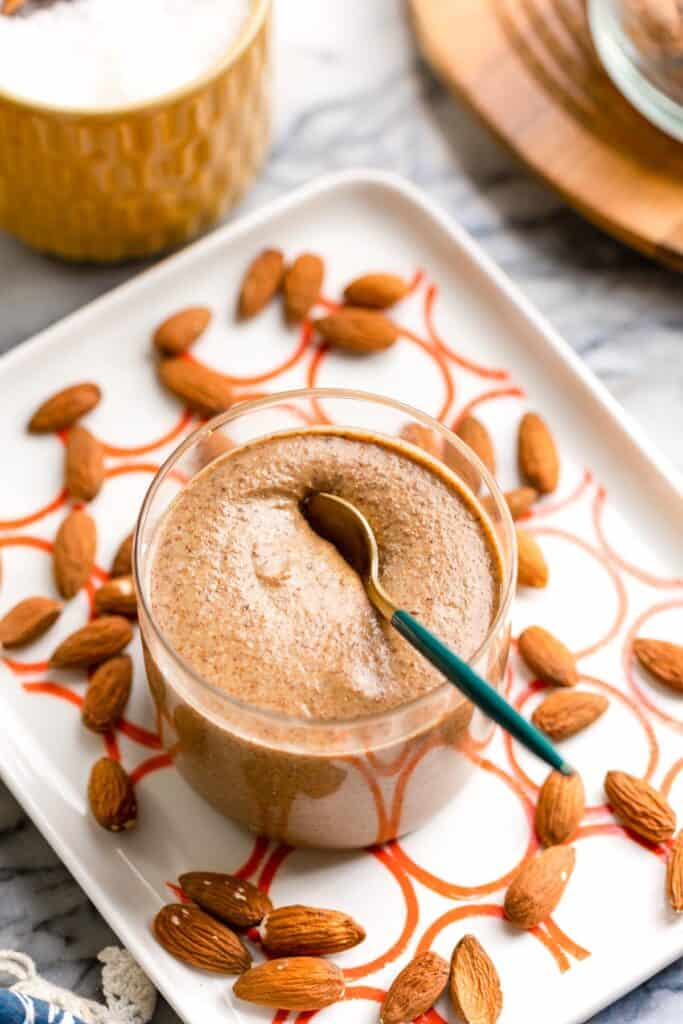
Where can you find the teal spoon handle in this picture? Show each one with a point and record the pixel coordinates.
(477, 690)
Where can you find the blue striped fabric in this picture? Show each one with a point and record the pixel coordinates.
(17, 1008)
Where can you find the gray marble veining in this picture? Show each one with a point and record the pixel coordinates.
(351, 92)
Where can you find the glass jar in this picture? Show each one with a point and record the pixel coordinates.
(339, 783)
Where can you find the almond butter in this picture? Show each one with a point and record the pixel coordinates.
(566, 712)
(64, 408)
(190, 935)
(421, 436)
(357, 330)
(123, 559)
(301, 286)
(309, 931)
(474, 984)
(537, 887)
(73, 555)
(539, 462)
(532, 568)
(293, 983)
(179, 331)
(99, 640)
(111, 796)
(107, 694)
(84, 464)
(415, 989)
(28, 620)
(117, 597)
(664, 660)
(475, 435)
(200, 388)
(261, 281)
(376, 291)
(547, 657)
(640, 806)
(674, 875)
(226, 897)
(559, 808)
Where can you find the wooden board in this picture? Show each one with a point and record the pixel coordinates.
(528, 68)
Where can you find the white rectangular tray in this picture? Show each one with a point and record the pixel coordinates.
(611, 535)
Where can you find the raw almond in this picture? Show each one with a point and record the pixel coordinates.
(123, 559)
(309, 931)
(421, 436)
(117, 597)
(358, 330)
(566, 712)
(301, 286)
(10, 6)
(539, 462)
(640, 806)
(107, 694)
(111, 796)
(532, 568)
(296, 983)
(664, 660)
(474, 984)
(216, 443)
(28, 620)
(415, 989)
(64, 408)
(177, 333)
(84, 464)
(91, 644)
(475, 435)
(547, 657)
(559, 808)
(377, 291)
(226, 897)
(519, 500)
(674, 875)
(73, 555)
(537, 887)
(202, 389)
(261, 281)
(190, 935)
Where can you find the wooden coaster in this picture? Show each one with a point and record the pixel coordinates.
(528, 68)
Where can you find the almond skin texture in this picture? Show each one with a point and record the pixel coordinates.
(532, 568)
(230, 899)
(474, 984)
(117, 597)
(539, 463)
(84, 464)
(261, 281)
(301, 286)
(415, 989)
(674, 875)
(64, 408)
(358, 330)
(299, 983)
(27, 621)
(190, 935)
(547, 657)
(375, 291)
(422, 437)
(640, 806)
(566, 712)
(107, 694)
(111, 796)
(73, 555)
(176, 334)
(475, 435)
(559, 808)
(200, 388)
(537, 887)
(309, 931)
(664, 660)
(99, 640)
(123, 559)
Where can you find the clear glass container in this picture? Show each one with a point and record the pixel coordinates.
(345, 782)
(640, 43)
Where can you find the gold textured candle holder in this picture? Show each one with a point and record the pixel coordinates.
(109, 185)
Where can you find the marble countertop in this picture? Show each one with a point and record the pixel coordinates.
(351, 91)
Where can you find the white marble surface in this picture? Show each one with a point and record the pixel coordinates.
(351, 91)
